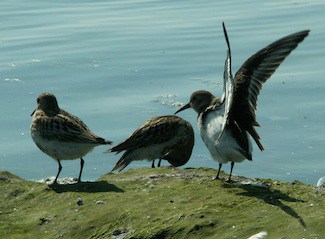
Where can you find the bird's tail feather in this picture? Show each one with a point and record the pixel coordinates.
(124, 161)
(103, 141)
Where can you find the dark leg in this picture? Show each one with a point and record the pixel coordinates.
(59, 171)
(153, 164)
(159, 163)
(232, 166)
(217, 177)
(81, 167)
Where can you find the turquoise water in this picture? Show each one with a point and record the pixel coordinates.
(116, 64)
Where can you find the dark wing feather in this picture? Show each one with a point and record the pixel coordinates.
(84, 127)
(155, 131)
(252, 74)
(64, 128)
(228, 81)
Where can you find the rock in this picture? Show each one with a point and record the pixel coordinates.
(255, 184)
(182, 216)
(80, 202)
(259, 235)
(321, 182)
(100, 202)
(7, 177)
(44, 220)
(295, 182)
(66, 180)
(120, 233)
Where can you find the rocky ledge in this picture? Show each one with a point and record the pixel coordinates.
(160, 203)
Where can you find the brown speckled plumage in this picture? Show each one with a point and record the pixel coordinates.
(173, 136)
(59, 134)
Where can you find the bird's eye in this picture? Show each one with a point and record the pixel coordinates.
(38, 100)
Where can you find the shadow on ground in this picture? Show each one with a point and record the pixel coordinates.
(271, 197)
(89, 187)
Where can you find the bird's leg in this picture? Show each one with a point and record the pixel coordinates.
(159, 163)
(232, 166)
(217, 177)
(57, 175)
(153, 164)
(81, 167)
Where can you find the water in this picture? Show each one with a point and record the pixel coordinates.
(116, 64)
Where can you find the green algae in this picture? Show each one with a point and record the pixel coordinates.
(160, 203)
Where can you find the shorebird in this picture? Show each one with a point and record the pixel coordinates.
(225, 123)
(164, 137)
(61, 135)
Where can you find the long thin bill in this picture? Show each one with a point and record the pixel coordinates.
(183, 108)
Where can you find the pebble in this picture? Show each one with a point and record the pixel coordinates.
(181, 216)
(100, 202)
(44, 220)
(321, 182)
(120, 233)
(259, 235)
(66, 180)
(80, 202)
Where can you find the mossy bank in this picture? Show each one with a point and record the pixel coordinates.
(160, 203)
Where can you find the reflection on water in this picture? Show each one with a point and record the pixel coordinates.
(115, 63)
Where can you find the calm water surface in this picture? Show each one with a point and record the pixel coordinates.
(116, 64)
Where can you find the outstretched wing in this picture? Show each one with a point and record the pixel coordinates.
(252, 74)
(228, 86)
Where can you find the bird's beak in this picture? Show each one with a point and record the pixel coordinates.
(33, 113)
(183, 108)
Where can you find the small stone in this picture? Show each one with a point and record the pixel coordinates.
(321, 182)
(182, 216)
(117, 232)
(80, 202)
(311, 205)
(44, 220)
(100, 202)
(295, 182)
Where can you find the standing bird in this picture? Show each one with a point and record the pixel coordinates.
(164, 137)
(61, 135)
(226, 123)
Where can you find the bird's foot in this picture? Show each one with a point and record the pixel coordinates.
(54, 184)
(216, 178)
(229, 180)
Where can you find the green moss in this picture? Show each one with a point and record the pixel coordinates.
(159, 203)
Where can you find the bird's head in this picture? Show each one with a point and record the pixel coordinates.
(48, 104)
(199, 101)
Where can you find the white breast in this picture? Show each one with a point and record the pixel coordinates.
(62, 150)
(227, 148)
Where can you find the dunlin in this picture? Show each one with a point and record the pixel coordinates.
(165, 137)
(226, 123)
(61, 135)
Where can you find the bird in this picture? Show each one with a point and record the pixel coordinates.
(60, 134)
(226, 124)
(163, 137)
